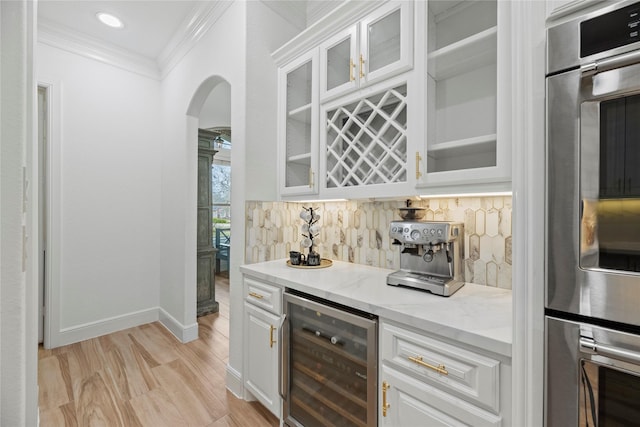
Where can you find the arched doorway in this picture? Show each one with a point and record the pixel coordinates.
(211, 108)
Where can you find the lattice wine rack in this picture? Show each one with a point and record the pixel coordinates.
(367, 140)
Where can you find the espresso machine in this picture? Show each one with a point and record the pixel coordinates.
(430, 255)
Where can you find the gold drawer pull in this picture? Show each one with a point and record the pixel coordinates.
(439, 369)
(271, 340)
(253, 294)
(385, 405)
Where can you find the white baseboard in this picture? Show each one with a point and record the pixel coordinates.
(234, 382)
(106, 326)
(182, 332)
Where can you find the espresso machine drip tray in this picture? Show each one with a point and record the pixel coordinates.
(425, 282)
(430, 256)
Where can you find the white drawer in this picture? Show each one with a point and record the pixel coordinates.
(461, 372)
(411, 402)
(264, 295)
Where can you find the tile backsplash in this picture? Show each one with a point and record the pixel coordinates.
(358, 232)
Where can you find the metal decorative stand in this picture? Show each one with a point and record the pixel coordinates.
(310, 227)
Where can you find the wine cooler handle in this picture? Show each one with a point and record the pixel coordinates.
(283, 349)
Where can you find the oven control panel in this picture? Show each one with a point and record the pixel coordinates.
(611, 30)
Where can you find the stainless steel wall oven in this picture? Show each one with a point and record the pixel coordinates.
(592, 301)
(329, 364)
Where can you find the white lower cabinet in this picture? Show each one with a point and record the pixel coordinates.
(428, 381)
(261, 329)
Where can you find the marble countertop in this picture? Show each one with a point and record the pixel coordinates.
(477, 315)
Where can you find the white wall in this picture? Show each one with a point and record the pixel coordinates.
(262, 96)
(125, 187)
(216, 111)
(219, 57)
(222, 54)
(18, 217)
(105, 197)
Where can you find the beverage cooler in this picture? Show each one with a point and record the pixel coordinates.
(329, 364)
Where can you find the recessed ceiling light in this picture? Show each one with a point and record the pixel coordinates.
(110, 20)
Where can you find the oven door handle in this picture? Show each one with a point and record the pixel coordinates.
(283, 359)
(611, 63)
(625, 355)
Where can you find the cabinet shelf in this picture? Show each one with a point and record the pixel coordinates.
(313, 378)
(472, 52)
(308, 337)
(300, 113)
(318, 399)
(303, 158)
(463, 146)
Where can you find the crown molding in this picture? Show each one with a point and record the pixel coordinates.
(64, 38)
(195, 25)
(316, 10)
(337, 19)
(294, 12)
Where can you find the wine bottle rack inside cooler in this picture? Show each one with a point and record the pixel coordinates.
(332, 366)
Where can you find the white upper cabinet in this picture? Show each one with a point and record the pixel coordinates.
(468, 94)
(382, 98)
(377, 47)
(298, 126)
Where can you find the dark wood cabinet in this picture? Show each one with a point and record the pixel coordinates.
(206, 257)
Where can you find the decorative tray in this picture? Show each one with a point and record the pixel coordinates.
(324, 263)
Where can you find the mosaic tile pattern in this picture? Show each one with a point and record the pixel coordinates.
(358, 232)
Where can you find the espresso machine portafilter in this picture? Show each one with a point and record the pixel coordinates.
(430, 255)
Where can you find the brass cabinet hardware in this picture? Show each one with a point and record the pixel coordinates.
(385, 405)
(361, 66)
(418, 160)
(439, 369)
(255, 295)
(271, 340)
(352, 67)
(311, 176)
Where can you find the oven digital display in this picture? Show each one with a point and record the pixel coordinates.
(609, 31)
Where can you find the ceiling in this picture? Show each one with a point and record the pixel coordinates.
(156, 33)
(148, 25)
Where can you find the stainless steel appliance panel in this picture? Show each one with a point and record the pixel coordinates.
(578, 280)
(565, 40)
(593, 375)
(592, 289)
(563, 133)
(329, 364)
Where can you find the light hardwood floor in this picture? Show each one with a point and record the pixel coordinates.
(144, 376)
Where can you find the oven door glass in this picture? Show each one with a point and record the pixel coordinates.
(610, 184)
(608, 396)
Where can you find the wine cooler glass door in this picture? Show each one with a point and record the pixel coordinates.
(332, 371)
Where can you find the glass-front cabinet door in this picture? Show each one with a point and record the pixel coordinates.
(298, 126)
(338, 59)
(378, 46)
(386, 42)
